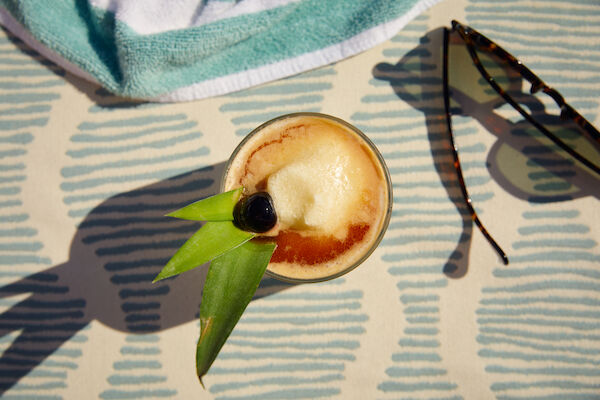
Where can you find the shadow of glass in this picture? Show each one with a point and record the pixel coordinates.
(118, 249)
(521, 160)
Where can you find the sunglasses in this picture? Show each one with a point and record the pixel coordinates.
(485, 53)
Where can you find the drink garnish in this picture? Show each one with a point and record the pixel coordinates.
(236, 264)
(255, 213)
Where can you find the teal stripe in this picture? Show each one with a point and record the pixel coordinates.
(440, 283)
(77, 170)
(418, 199)
(300, 320)
(417, 298)
(579, 325)
(515, 8)
(28, 72)
(561, 371)
(10, 191)
(394, 128)
(129, 122)
(113, 394)
(279, 381)
(33, 109)
(18, 85)
(421, 310)
(262, 105)
(10, 203)
(588, 301)
(142, 339)
(561, 396)
(516, 355)
(563, 256)
(567, 243)
(406, 239)
(14, 218)
(561, 312)
(316, 296)
(422, 320)
(419, 343)
(400, 212)
(471, 181)
(23, 259)
(287, 394)
(535, 271)
(371, 115)
(286, 355)
(39, 387)
(562, 228)
(547, 18)
(331, 344)
(12, 167)
(277, 368)
(560, 337)
(95, 182)
(156, 144)
(127, 365)
(301, 309)
(276, 333)
(18, 232)
(413, 356)
(12, 153)
(93, 138)
(491, 340)
(259, 118)
(27, 97)
(21, 246)
(545, 285)
(18, 138)
(395, 257)
(426, 331)
(144, 351)
(559, 384)
(414, 387)
(116, 380)
(14, 124)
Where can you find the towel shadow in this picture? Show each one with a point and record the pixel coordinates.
(118, 249)
(521, 161)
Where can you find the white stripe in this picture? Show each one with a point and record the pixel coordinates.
(245, 79)
(157, 16)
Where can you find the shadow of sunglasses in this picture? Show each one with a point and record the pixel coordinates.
(500, 69)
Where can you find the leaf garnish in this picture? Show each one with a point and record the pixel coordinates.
(215, 208)
(209, 242)
(230, 284)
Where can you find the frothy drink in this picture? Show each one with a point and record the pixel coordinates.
(330, 188)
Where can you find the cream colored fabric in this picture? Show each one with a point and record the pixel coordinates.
(86, 177)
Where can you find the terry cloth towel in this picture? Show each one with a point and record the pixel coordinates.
(177, 50)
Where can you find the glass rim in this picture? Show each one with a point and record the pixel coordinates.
(379, 159)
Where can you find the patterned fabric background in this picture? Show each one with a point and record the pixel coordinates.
(85, 178)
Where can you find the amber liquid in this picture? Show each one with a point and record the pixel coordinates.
(358, 213)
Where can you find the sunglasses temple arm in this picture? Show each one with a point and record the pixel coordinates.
(456, 162)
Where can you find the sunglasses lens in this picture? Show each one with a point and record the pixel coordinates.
(550, 165)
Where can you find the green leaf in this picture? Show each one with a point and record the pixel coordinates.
(210, 241)
(215, 208)
(230, 284)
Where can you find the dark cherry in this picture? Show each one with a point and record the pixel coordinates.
(255, 213)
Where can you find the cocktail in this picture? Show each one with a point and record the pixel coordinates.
(305, 197)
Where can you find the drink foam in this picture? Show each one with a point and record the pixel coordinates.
(328, 187)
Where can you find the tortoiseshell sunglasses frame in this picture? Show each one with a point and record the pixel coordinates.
(476, 41)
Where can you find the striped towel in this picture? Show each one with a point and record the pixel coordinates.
(178, 50)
